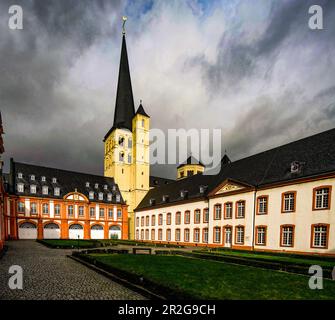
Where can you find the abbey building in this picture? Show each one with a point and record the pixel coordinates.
(277, 200)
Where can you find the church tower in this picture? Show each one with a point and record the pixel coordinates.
(126, 156)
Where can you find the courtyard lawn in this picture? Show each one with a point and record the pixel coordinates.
(282, 258)
(69, 244)
(204, 279)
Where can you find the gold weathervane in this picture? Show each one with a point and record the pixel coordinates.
(124, 19)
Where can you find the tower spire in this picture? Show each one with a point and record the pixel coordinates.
(124, 104)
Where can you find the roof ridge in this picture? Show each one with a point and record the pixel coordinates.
(64, 170)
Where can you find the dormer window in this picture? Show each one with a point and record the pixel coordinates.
(43, 179)
(118, 198)
(87, 184)
(296, 166)
(91, 195)
(105, 187)
(96, 186)
(56, 191)
(54, 180)
(109, 197)
(32, 177)
(45, 190)
(114, 187)
(20, 187)
(183, 194)
(32, 188)
(152, 201)
(202, 189)
(165, 198)
(20, 175)
(101, 196)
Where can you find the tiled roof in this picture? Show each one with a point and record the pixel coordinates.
(315, 155)
(158, 181)
(67, 181)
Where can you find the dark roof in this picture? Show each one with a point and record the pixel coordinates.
(141, 111)
(124, 104)
(67, 181)
(190, 160)
(316, 155)
(158, 181)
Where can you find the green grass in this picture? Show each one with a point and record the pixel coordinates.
(70, 243)
(217, 280)
(304, 261)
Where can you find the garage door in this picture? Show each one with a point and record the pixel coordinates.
(97, 232)
(51, 231)
(114, 232)
(27, 230)
(76, 231)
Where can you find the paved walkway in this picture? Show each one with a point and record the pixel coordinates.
(49, 274)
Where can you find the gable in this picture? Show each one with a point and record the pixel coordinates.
(227, 186)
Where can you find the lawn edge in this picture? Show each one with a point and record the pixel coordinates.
(130, 285)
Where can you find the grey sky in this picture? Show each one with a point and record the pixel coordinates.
(252, 68)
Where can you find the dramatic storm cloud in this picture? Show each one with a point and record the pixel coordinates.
(252, 68)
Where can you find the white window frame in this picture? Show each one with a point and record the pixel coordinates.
(45, 190)
(20, 187)
(33, 188)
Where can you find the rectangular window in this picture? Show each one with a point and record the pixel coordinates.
(196, 236)
(119, 214)
(178, 218)
(32, 188)
(110, 213)
(239, 235)
(101, 212)
(197, 216)
(20, 207)
(147, 234)
(187, 235)
(142, 221)
(56, 191)
(177, 234)
(91, 195)
(70, 211)
(206, 215)
(262, 205)
(320, 236)
(153, 220)
(137, 235)
(129, 158)
(322, 198)
(81, 211)
(45, 190)
(142, 234)
(20, 187)
(160, 234)
(288, 202)
(228, 212)
(160, 219)
(240, 209)
(33, 208)
(217, 212)
(137, 222)
(187, 217)
(261, 236)
(57, 209)
(287, 236)
(147, 221)
(205, 235)
(168, 218)
(168, 235)
(92, 212)
(217, 234)
(101, 196)
(45, 208)
(152, 234)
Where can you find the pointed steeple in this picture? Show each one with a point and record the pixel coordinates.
(141, 111)
(124, 104)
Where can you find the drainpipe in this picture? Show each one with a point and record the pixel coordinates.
(254, 221)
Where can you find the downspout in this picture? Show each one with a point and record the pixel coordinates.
(254, 221)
